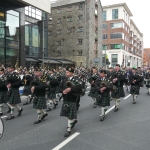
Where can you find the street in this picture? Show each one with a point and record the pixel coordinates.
(127, 129)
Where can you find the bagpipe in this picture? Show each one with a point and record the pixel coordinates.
(106, 83)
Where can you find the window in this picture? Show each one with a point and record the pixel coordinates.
(114, 59)
(80, 41)
(80, 29)
(59, 10)
(116, 36)
(59, 20)
(80, 6)
(116, 46)
(59, 31)
(70, 30)
(79, 53)
(69, 19)
(80, 17)
(104, 26)
(116, 25)
(58, 43)
(104, 46)
(50, 33)
(69, 8)
(104, 36)
(104, 16)
(114, 13)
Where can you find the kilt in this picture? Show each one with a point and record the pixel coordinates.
(26, 90)
(3, 97)
(57, 89)
(41, 103)
(72, 114)
(93, 92)
(119, 93)
(52, 95)
(135, 89)
(15, 96)
(103, 100)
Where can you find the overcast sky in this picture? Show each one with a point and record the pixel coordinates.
(140, 11)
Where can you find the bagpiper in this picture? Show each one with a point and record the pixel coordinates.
(135, 81)
(118, 79)
(103, 86)
(39, 88)
(13, 84)
(69, 109)
(147, 79)
(3, 90)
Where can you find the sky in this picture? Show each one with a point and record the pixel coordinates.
(140, 11)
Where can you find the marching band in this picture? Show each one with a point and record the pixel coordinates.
(46, 87)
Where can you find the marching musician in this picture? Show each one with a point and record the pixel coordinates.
(147, 78)
(39, 88)
(69, 99)
(118, 79)
(13, 84)
(93, 93)
(103, 86)
(3, 90)
(135, 81)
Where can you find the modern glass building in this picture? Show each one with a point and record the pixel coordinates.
(22, 33)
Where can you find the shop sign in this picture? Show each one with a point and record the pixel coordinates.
(12, 44)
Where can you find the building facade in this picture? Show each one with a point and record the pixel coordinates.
(13, 30)
(122, 40)
(75, 31)
(146, 57)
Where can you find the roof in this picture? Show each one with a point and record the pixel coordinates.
(118, 5)
(31, 59)
(65, 2)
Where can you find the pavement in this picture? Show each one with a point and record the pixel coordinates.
(127, 129)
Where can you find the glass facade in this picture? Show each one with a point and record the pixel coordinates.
(114, 59)
(104, 15)
(114, 13)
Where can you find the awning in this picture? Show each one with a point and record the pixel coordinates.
(50, 61)
(31, 59)
(66, 62)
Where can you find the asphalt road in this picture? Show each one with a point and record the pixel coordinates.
(127, 129)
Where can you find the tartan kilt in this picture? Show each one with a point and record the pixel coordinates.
(15, 96)
(93, 92)
(103, 101)
(52, 95)
(57, 89)
(41, 103)
(26, 90)
(135, 89)
(72, 114)
(119, 93)
(3, 97)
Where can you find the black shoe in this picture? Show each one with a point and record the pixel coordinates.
(68, 133)
(55, 106)
(73, 124)
(1, 114)
(102, 118)
(26, 103)
(116, 109)
(44, 116)
(48, 109)
(9, 110)
(19, 112)
(38, 121)
(10, 117)
(30, 100)
(134, 102)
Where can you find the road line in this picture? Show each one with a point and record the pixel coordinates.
(66, 141)
(3, 116)
(127, 96)
(110, 109)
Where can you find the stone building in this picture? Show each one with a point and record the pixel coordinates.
(75, 31)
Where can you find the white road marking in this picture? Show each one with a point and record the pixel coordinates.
(110, 109)
(127, 96)
(66, 141)
(3, 116)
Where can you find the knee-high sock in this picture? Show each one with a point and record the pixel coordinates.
(12, 110)
(39, 114)
(19, 108)
(102, 111)
(117, 101)
(128, 87)
(1, 107)
(69, 124)
(148, 90)
(135, 97)
(43, 112)
(8, 105)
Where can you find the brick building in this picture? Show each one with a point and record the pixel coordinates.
(75, 31)
(146, 57)
(122, 40)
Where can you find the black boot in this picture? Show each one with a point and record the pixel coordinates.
(9, 110)
(48, 109)
(55, 106)
(44, 116)
(38, 121)
(73, 124)
(26, 103)
(116, 109)
(10, 117)
(19, 112)
(1, 114)
(68, 133)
